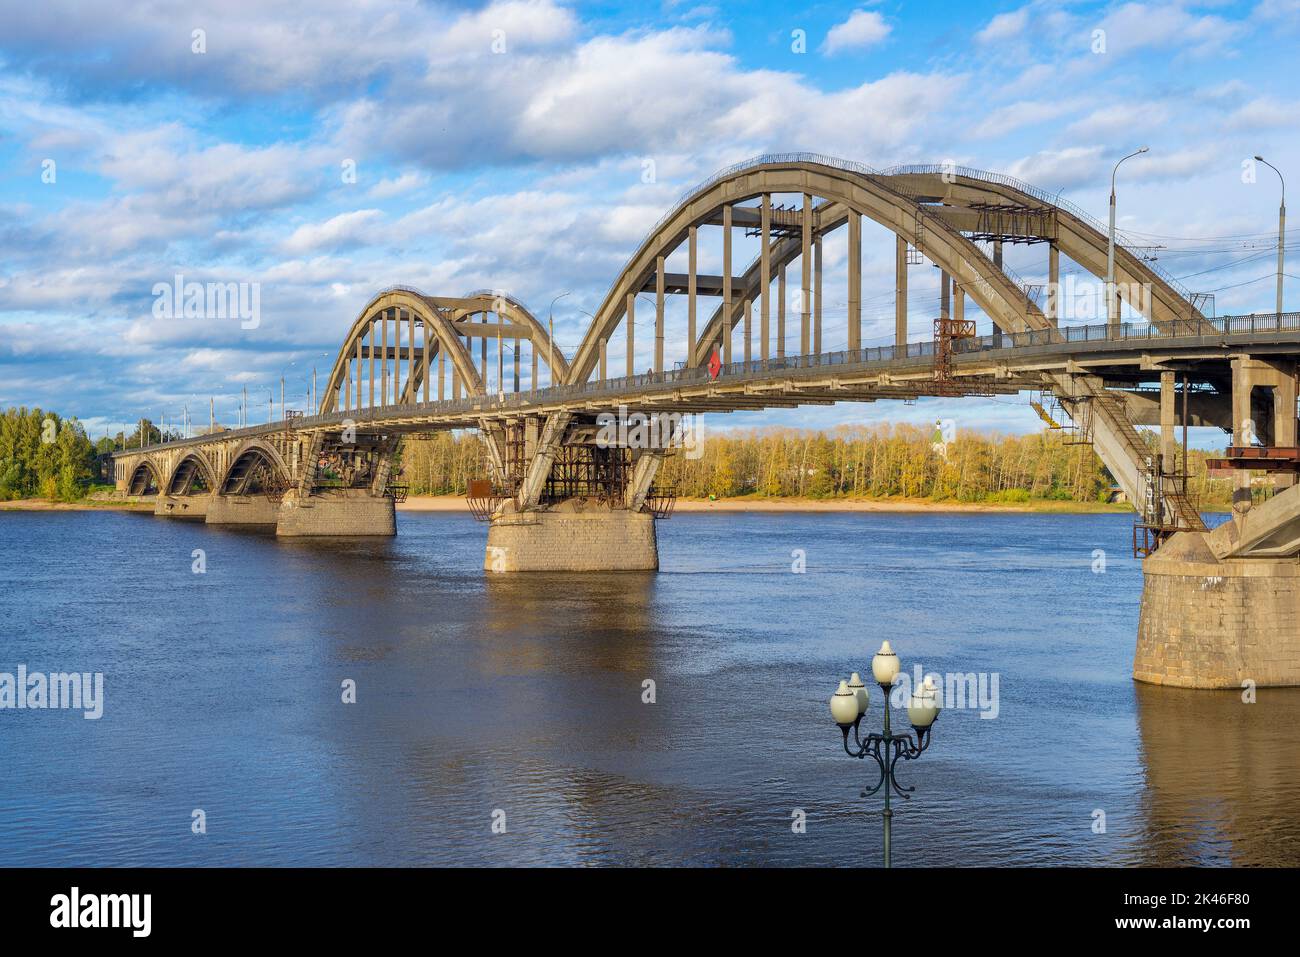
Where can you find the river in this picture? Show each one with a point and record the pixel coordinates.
(519, 701)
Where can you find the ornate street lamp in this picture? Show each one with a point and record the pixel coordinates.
(849, 705)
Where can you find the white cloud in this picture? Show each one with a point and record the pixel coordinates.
(336, 231)
(863, 28)
(1004, 26)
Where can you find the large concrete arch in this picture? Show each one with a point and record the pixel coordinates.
(902, 203)
(849, 186)
(957, 191)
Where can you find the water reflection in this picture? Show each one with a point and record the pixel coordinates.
(1223, 776)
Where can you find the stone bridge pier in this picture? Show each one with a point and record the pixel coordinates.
(1222, 608)
(572, 495)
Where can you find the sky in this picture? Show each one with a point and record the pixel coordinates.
(323, 151)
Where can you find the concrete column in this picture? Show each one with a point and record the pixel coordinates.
(532, 349)
(1243, 428)
(945, 295)
(1168, 442)
(765, 273)
(359, 370)
(383, 346)
(426, 358)
(410, 356)
(442, 374)
(370, 347)
(604, 367)
(726, 284)
(748, 331)
(780, 311)
(855, 281)
(629, 326)
(817, 296)
(659, 314)
(900, 294)
(482, 351)
(1284, 416)
(805, 285)
(691, 286)
(958, 301)
(1053, 284)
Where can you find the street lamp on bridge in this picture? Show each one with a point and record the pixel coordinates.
(1281, 231)
(849, 706)
(551, 330)
(1112, 301)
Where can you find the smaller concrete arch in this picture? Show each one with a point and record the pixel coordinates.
(146, 478)
(193, 468)
(253, 466)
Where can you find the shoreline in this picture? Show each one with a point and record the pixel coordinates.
(456, 503)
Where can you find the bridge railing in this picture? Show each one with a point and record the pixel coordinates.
(1254, 324)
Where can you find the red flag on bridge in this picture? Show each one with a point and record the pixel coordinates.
(715, 364)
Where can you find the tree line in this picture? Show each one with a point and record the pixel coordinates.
(44, 455)
(878, 461)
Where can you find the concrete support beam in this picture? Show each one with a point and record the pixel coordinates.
(900, 293)
(539, 469)
(644, 471)
(726, 285)
(855, 282)
(817, 296)
(659, 315)
(629, 327)
(691, 294)
(1168, 416)
(780, 311)
(765, 274)
(1053, 284)
(805, 285)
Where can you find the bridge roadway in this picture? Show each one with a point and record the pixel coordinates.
(993, 364)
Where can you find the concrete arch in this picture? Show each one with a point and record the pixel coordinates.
(242, 461)
(510, 308)
(955, 191)
(180, 474)
(441, 316)
(853, 189)
(146, 470)
(431, 318)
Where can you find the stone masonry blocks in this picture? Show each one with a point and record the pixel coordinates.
(1211, 623)
(343, 514)
(572, 537)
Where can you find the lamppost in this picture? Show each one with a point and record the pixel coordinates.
(1112, 301)
(849, 705)
(1281, 232)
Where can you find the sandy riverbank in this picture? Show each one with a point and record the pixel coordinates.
(84, 505)
(456, 503)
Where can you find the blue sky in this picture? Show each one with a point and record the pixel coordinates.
(522, 169)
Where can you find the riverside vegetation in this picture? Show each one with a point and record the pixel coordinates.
(46, 456)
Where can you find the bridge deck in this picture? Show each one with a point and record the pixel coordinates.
(999, 363)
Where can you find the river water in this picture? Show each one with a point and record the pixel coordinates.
(518, 701)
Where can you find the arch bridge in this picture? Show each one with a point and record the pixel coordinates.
(758, 327)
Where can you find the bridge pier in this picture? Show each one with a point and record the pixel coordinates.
(1210, 622)
(575, 535)
(192, 507)
(242, 510)
(338, 513)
